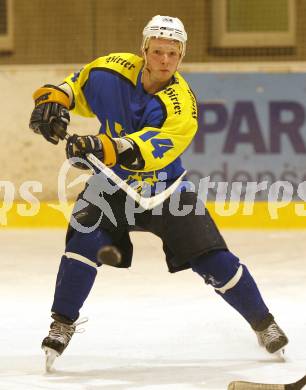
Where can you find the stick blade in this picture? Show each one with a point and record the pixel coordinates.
(297, 385)
(241, 385)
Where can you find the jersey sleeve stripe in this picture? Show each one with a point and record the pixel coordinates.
(164, 112)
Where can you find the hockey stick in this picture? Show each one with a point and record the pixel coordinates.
(147, 203)
(240, 385)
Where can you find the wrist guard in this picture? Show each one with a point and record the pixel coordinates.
(102, 146)
(110, 152)
(51, 94)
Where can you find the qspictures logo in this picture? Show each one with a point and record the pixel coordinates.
(99, 191)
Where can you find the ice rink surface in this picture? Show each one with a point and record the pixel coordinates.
(148, 329)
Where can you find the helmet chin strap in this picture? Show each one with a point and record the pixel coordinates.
(145, 66)
(144, 54)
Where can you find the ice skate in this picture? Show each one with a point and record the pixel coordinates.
(271, 337)
(60, 334)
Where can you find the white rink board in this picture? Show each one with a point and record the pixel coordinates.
(26, 156)
(148, 329)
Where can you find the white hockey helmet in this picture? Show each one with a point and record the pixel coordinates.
(165, 27)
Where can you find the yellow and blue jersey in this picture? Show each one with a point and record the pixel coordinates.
(161, 124)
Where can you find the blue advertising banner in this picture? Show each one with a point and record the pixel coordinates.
(252, 128)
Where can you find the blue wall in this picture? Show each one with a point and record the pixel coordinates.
(252, 127)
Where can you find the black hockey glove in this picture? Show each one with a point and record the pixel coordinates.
(102, 146)
(50, 116)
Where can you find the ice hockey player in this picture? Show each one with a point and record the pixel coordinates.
(148, 117)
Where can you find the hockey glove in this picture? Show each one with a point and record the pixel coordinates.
(102, 146)
(50, 116)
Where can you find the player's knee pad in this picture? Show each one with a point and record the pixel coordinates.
(221, 269)
(85, 246)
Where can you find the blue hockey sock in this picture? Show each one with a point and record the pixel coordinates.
(77, 272)
(234, 283)
(73, 284)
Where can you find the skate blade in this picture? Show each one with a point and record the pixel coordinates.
(280, 355)
(51, 355)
